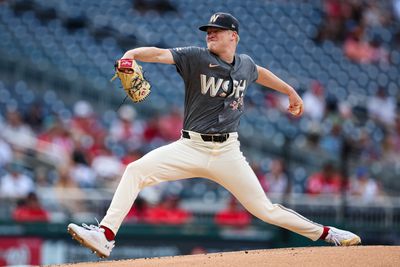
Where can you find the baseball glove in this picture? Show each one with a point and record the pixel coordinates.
(130, 73)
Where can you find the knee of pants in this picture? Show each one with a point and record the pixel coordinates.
(134, 171)
(131, 169)
(137, 171)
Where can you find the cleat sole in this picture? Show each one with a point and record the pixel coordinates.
(352, 242)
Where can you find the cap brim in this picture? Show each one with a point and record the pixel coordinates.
(205, 27)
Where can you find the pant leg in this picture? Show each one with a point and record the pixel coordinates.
(175, 161)
(232, 171)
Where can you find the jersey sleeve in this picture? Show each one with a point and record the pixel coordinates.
(184, 58)
(253, 70)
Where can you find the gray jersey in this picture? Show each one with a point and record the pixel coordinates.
(214, 89)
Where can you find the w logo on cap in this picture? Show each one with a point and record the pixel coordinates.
(223, 21)
(214, 18)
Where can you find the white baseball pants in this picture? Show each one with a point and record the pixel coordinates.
(222, 163)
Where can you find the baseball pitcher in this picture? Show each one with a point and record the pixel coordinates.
(216, 80)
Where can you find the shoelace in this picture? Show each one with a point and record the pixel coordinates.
(332, 238)
(97, 228)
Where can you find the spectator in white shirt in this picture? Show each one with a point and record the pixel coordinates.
(6, 153)
(365, 187)
(16, 133)
(382, 107)
(15, 184)
(314, 101)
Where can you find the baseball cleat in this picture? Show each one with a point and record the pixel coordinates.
(342, 238)
(92, 237)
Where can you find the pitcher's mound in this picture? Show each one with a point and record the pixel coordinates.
(291, 257)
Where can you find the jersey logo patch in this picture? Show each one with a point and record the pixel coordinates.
(213, 85)
(237, 104)
(213, 65)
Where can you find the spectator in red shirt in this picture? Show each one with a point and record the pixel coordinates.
(328, 181)
(138, 212)
(233, 215)
(170, 125)
(168, 212)
(152, 131)
(56, 141)
(86, 128)
(30, 210)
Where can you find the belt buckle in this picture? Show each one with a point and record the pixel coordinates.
(220, 138)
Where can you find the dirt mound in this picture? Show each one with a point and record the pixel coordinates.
(310, 256)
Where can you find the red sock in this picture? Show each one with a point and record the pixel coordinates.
(108, 233)
(324, 233)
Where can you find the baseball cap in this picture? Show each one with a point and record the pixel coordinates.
(223, 21)
(361, 171)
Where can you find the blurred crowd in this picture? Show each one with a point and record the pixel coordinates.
(368, 127)
(82, 149)
(363, 27)
(90, 150)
